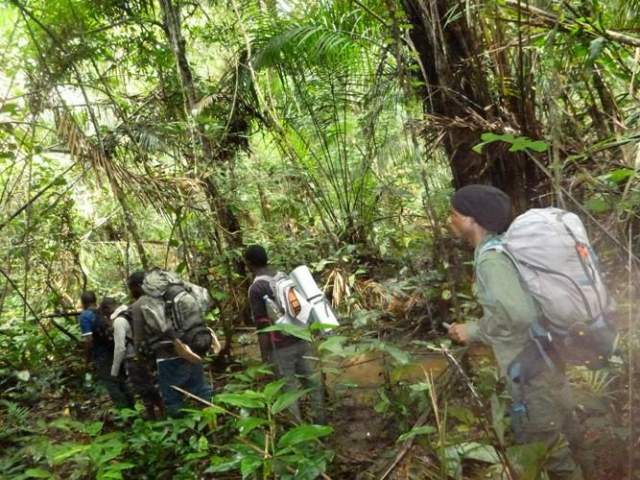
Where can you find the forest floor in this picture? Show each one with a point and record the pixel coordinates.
(366, 430)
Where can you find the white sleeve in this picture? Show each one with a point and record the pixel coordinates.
(120, 344)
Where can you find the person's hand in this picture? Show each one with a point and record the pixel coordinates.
(458, 332)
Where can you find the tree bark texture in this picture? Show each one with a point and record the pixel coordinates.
(460, 101)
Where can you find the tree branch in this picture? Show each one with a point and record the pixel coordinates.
(552, 20)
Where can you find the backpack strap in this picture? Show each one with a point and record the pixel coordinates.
(172, 296)
(583, 252)
(538, 333)
(264, 277)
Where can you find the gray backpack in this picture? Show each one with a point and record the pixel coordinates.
(554, 258)
(181, 307)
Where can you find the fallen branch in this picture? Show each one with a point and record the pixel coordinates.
(65, 331)
(28, 305)
(35, 197)
(553, 20)
(406, 446)
(61, 315)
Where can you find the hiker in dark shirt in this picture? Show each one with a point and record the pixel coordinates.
(96, 331)
(288, 355)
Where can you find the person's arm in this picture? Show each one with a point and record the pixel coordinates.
(264, 341)
(507, 307)
(137, 326)
(119, 344)
(261, 319)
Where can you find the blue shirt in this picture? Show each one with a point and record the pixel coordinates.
(86, 321)
(99, 351)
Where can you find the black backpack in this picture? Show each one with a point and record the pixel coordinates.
(102, 330)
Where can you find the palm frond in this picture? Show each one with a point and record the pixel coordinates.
(316, 43)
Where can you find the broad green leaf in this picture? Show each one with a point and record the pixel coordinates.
(420, 387)
(478, 147)
(250, 464)
(286, 400)
(333, 344)
(453, 463)
(121, 466)
(248, 399)
(272, 388)
(498, 412)
(524, 143)
(67, 453)
(597, 205)
(518, 144)
(36, 473)
(11, 108)
(478, 451)
(114, 471)
(315, 327)
(246, 425)
(109, 475)
(303, 433)
(595, 48)
(618, 176)
(93, 428)
(424, 430)
(203, 443)
(223, 464)
(398, 355)
(292, 330)
(528, 459)
(463, 414)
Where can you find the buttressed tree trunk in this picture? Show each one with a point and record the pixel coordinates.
(458, 99)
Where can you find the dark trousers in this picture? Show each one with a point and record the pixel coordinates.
(116, 386)
(546, 415)
(142, 383)
(292, 363)
(187, 376)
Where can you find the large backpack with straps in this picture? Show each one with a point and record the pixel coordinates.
(553, 255)
(297, 300)
(184, 306)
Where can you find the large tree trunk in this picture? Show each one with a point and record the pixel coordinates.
(227, 218)
(217, 157)
(458, 99)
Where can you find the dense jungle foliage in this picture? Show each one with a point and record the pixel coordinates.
(173, 133)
